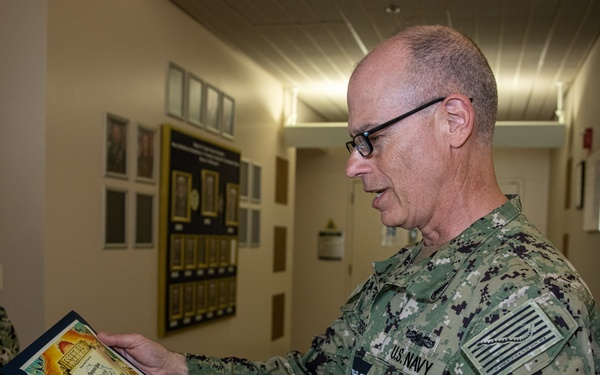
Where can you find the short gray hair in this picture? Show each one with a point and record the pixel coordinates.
(444, 61)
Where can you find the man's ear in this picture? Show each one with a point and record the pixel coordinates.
(459, 117)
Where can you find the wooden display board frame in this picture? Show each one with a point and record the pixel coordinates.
(198, 242)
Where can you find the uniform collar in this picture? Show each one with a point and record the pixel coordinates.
(428, 279)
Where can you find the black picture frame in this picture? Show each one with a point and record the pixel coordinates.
(227, 116)
(144, 220)
(146, 151)
(115, 218)
(116, 136)
(175, 91)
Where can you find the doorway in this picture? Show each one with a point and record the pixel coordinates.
(370, 240)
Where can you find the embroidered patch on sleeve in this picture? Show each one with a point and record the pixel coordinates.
(513, 340)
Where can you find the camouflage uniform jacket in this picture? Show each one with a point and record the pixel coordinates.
(9, 343)
(497, 299)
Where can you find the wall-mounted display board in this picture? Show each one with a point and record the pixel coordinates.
(199, 205)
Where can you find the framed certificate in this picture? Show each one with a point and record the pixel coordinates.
(69, 347)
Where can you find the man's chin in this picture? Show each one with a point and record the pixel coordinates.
(388, 221)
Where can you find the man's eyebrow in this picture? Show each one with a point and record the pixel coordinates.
(362, 128)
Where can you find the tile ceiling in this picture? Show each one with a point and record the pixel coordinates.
(314, 44)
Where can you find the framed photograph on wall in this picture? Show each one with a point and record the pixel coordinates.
(115, 218)
(175, 91)
(189, 252)
(176, 252)
(202, 256)
(213, 295)
(210, 192)
(213, 251)
(232, 200)
(244, 178)
(256, 190)
(195, 98)
(144, 220)
(146, 165)
(233, 251)
(180, 198)
(175, 301)
(189, 299)
(224, 251)
(115, 140)
(213, 103)
(254, 228)
(227, 116)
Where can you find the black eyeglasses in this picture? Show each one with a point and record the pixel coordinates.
(361, 141)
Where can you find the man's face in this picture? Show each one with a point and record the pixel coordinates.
(402, 172)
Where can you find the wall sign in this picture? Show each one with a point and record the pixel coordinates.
(199, 231)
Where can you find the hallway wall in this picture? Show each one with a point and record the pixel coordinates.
(112, 56)
(22, 162)
(566, 223)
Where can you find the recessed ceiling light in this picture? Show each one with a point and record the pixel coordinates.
(393, 9)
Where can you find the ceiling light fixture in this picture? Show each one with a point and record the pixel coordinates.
(393, 9)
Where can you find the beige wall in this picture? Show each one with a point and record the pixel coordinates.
(112, 56)
(22, 162)
(582, 111)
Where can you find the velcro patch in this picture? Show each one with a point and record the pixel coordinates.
(513, 340)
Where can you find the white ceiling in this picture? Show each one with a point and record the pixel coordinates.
(314, 44)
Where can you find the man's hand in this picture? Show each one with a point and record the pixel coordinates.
(148, 356)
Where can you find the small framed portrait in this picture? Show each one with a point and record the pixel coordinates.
(175, 91)
(175, 301)
(189, 252)
(189, 299)
(181, 185)
(223, 293)
(144, 220)
(212, 295)
(256, 190)
(146, 146)
(213, 103)
(115, 218)
(115, 139)
(254, 228)
(210, 192)
(195, 110)
(202, 256)
(233, 251)
(227, 116)
(176, 252)
(201, 300)
(213, 251)
(224, 251)
(232, 200)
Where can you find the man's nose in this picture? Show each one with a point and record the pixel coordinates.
(353, 166)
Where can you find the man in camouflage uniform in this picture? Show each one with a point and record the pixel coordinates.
(9, 343)
(484, 292)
